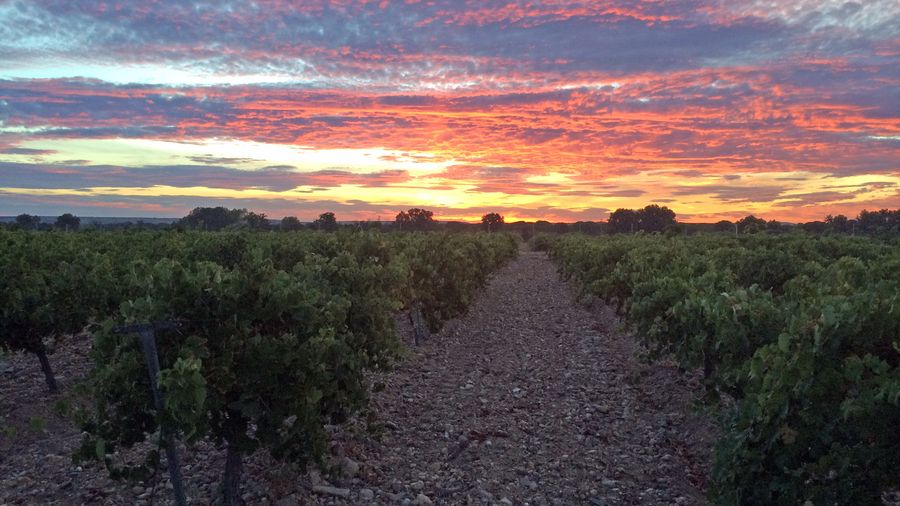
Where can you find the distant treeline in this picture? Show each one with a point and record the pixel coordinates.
(650, 219)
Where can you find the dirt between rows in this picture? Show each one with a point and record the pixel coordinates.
(532, 398)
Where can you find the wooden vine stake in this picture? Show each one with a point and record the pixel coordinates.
(420, 331)
(147, 334)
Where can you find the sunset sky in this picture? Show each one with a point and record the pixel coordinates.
(558, 110)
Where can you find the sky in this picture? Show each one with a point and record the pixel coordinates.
(559, 110)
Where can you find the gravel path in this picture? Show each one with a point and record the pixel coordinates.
(531, 398)
(535, 399)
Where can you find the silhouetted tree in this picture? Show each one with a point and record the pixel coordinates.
(814, 227)
(654, 218)
(257, 221)
(751, 224)
(289, 223)
(68, 221)
(212, 218)
(724, 226)
(622, 220)
(415, 219)
(326, 222)
(838, 224)
(774, 226)
(492, 222)
(878, 222)
(28, 221)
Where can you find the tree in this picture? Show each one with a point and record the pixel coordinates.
(724, 226)
(774, 226)
(28, 221)
(623, 220)
(837, 224)
(415, 219)
(68, 221)
(326, 222)
(814, 227)
(257, 221)
(751, 224)
(492, 222)
(289, 223)
(878, 222)
(654, 218)
(212, 218)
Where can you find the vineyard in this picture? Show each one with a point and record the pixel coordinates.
(262, 339)
(287, 344)
(798, 339)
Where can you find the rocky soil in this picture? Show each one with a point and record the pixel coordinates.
(532, 398)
